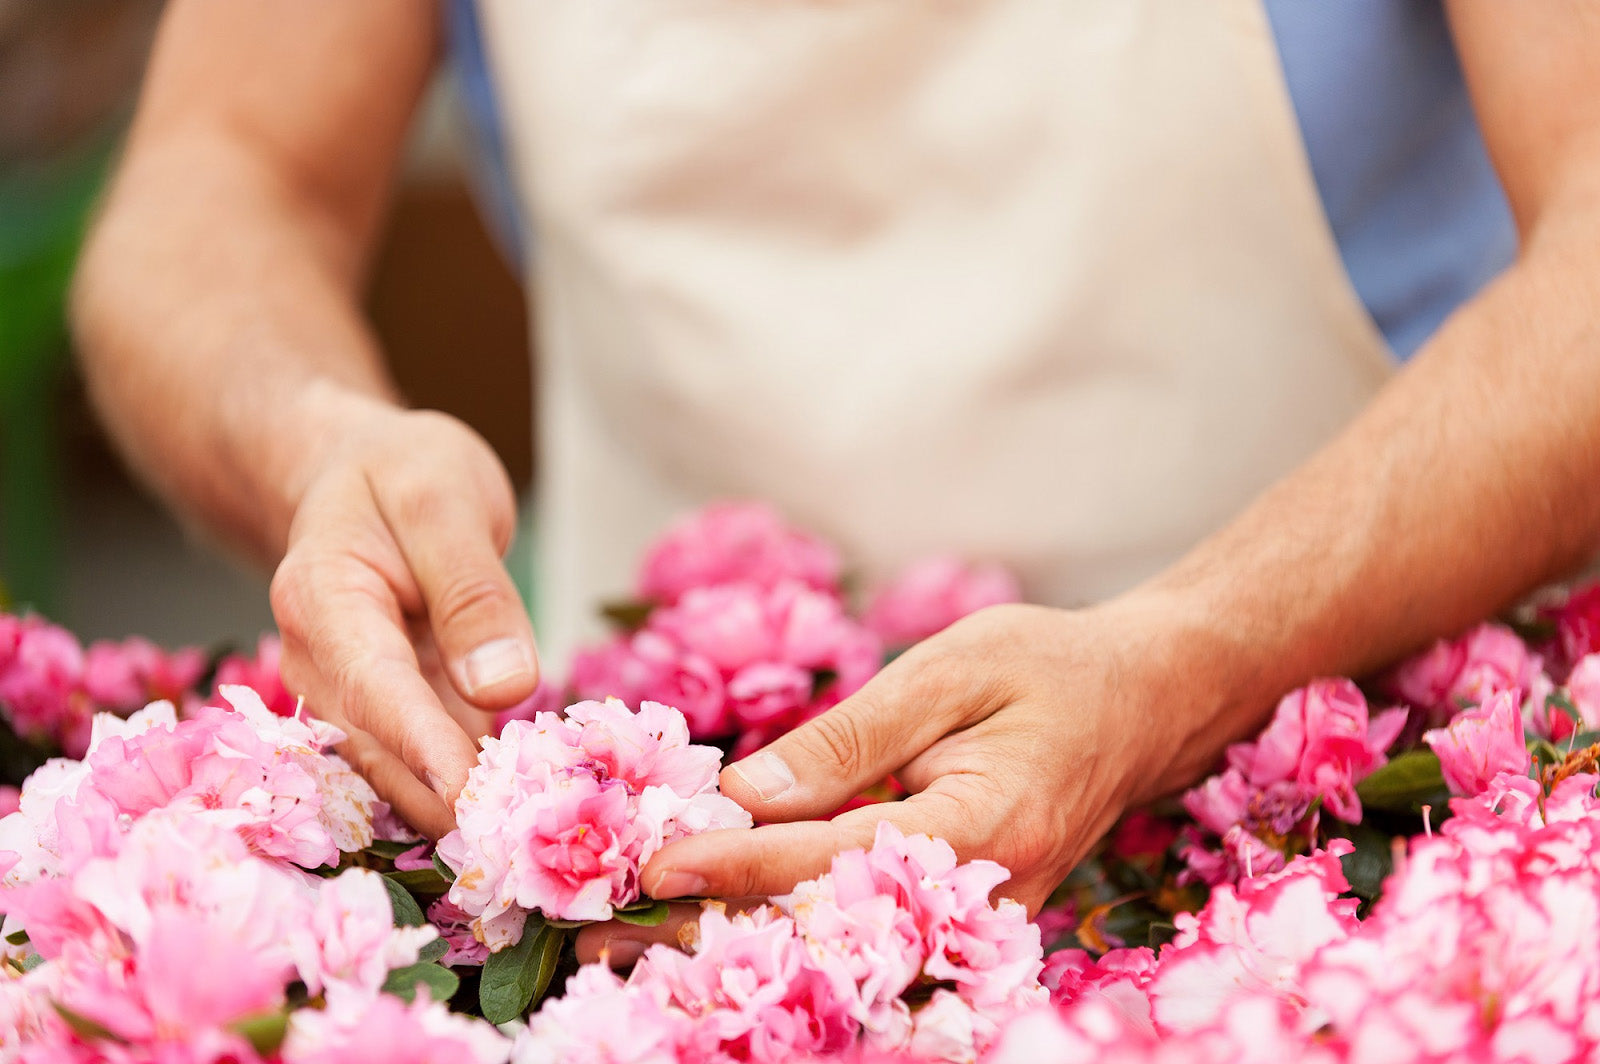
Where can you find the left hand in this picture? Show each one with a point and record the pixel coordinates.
(1022, 733)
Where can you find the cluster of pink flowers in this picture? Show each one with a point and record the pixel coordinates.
(51, 685)
(561, 812)
(159, 904)
(746, 627)
(1481, 948)
(1321, 742)
(897, 951)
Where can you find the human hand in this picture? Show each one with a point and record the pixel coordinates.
(1022, 733)
(400, 624)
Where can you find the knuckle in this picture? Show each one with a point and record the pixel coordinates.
(840, 739)
(287, 594)
(464, 600)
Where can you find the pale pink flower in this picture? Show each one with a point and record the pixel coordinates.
(1480, 743)
(350, 939)
(215, 761)
(560, 813)
(932, 594)
(600, 1018)
(380, 1029)
(1583, 689)
(734, 542)
(751, 985)
(1252, 939)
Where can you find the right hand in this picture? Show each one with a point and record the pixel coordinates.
(400, 624)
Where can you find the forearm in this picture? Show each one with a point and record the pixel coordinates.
(216, 306)
(212, 311)
(1470, 480)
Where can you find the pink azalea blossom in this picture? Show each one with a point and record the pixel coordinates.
(1480, 743)
(933, 594)
(350, 940)
(261, 674)
(1577, 623)
(734, 542)
(379, 1029)
(1321, 740)
(1466, 671)
(455, 927)
(561, 812)
(1583, 688)
(600, 1018)
(752, 987)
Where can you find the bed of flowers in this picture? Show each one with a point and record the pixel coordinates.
(1406, 868)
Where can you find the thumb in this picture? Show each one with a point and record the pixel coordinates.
(815, 769)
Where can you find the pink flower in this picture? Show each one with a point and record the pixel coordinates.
(560, 813)
(455, 927)
(602, 1019)
(734, 542)
(1578, 623)
(1320, 739)
(933, 594)
(648, 666)
(350, 940)
(988, 951)
(1252, 939)
(1465, 671)
(215, 761)
(379, 1029)
(1480, 743)
(751, 985)
(1583, 688)
(260, 674)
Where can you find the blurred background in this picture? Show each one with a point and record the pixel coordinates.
(79, 541)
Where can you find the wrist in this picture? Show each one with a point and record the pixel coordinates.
(1206, 682)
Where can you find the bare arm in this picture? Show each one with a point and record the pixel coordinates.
(1473, 477)
(217, 313)
(222, 281)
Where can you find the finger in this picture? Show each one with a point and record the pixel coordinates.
(412, 800)
(354, 660)
(771, 859)
(818, 767)
(620, 944)
(474, 721)
(477, 618)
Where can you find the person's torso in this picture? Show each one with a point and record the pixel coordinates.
(1052, 284)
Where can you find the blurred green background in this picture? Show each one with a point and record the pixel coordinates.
(79, 541)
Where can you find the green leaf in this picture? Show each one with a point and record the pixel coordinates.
(18, 938)
(1407, 783)
(568, 925)
(420, 880)
(446, 873)
(649, 914)
(628, 615)
(30, 962)
(554, 941)
(1369, 864)
(264, 1032)
(389, 850)
(511, 975)
(441, 982)
(433, 951)
(407, 913)
(84, 1027)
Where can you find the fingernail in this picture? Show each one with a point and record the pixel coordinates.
(432, 780)
(495, 662)
(766, 774)
(621, 952)
(675, 884)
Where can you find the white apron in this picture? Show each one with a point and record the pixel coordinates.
(1040, 281)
